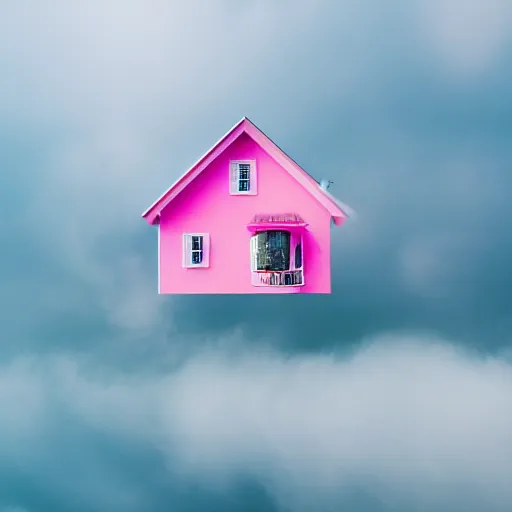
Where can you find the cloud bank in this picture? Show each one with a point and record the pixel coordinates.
(404, 422)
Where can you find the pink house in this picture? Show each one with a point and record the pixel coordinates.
(245, 219)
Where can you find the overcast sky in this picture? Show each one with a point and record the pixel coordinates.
(392, 394)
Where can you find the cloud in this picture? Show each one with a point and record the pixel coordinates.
(409, 422)
(22, 397)
(467, 36)
(404, 420)
(404, 105)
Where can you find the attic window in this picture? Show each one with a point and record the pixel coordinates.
(243, 177)
(196, 248)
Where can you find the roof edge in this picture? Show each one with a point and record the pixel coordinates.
(197, 163)
(300, 174)
(338, 210)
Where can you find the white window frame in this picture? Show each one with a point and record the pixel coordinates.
(187, 250)
(253, 252)
(234, 178)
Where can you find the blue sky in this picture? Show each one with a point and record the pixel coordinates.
(392, 394)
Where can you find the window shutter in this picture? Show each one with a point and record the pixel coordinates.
(187, 250)
(206, 250)
(254, 246)
(254, 179)
(233, 178)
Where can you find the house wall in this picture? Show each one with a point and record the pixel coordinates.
(206, 206)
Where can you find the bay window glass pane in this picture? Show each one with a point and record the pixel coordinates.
(273, 250)
(298, 256)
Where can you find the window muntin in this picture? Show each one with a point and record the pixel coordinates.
(244, 177)
(196, 251)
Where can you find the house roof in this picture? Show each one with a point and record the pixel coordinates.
(339, 212)
(289, 218)
(276, 221)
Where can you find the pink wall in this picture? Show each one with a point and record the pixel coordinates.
(206, 206)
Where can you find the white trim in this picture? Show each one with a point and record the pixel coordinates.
(253, 251)
(192, 166)
(234, 178)
(159, 258)
(258, 279)
(187, 250)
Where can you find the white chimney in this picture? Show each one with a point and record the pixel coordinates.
(325, 184)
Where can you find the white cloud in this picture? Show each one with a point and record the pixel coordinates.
(397, 417)
(404, 420)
